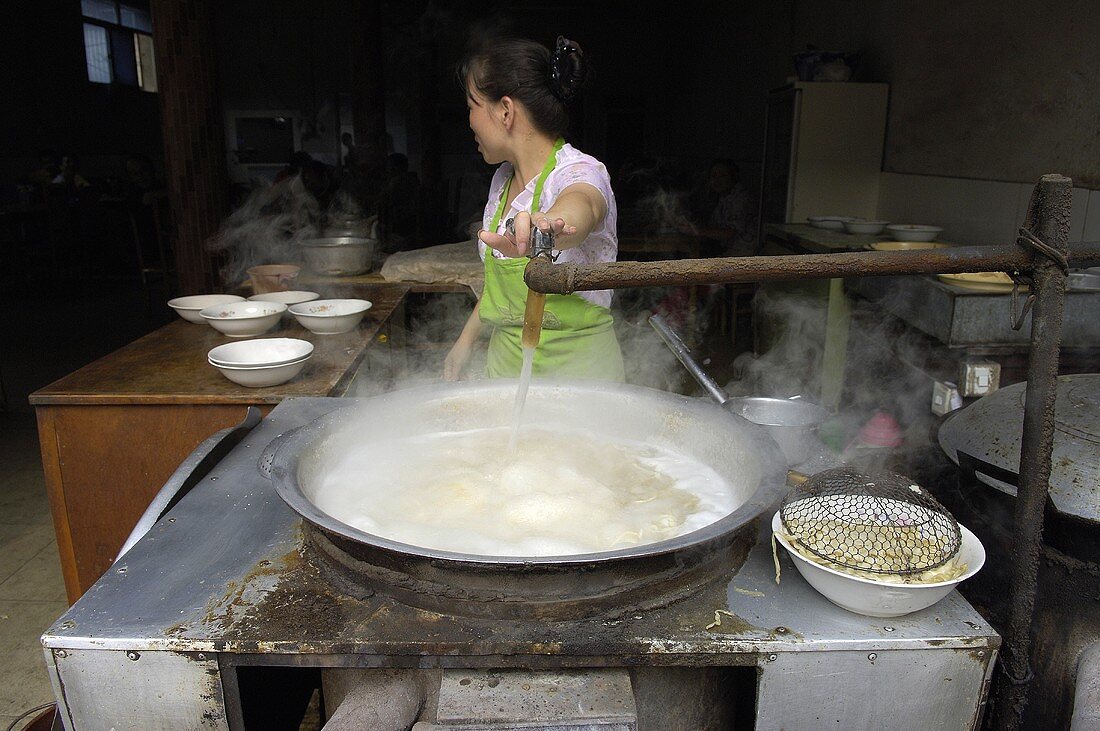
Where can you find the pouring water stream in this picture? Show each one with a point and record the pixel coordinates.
(532, 330)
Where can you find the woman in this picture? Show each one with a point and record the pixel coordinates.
(517, 92)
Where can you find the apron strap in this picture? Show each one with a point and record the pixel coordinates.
(536, 199)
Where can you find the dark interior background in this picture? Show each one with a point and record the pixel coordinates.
(979, 89)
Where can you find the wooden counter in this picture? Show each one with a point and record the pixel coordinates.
(113, 432)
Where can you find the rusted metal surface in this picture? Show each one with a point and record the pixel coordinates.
(544, 276)
(1067, 607)
(1048, 219)
(518, 592)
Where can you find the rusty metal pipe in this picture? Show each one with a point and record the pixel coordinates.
(542, 275)
(1048, 221)
(1048, 218)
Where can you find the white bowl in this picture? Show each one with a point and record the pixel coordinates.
(263, 376)
(830, 223)
(189, 307)
(288, 298)
(330, 317)
(874, 598)
(260, 353)
(864, 227)
(244, 319)
(913, 232)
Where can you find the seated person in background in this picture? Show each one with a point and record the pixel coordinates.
(725, 212)
(142, 187)
(69, 175)
(69, 187)
(142, 192)
(49, 167)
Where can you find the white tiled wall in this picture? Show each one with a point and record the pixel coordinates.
(975, 211)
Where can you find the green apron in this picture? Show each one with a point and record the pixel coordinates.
(578, 338)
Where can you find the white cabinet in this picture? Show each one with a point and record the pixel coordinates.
(823, 151)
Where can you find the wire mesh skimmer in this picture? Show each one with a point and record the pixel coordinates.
(879, 522)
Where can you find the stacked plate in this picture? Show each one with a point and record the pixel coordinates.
(263, 362)
(913, 232)
(830, 223)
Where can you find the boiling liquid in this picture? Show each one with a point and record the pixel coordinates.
(564, 492)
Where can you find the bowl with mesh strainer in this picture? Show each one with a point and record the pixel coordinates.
(875, 544)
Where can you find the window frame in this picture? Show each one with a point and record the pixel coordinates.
(111, 30)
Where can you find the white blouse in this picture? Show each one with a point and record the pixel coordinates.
(572, 166)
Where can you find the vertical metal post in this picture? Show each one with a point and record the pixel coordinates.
(1048, 219)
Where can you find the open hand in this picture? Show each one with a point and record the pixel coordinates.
(517, 245)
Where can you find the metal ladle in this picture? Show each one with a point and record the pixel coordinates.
(792, 423)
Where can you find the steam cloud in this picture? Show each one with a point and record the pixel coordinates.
(269, 227)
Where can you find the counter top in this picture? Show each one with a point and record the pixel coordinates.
(961, 317)
(322, 282)
(168, 366)
(812, 240)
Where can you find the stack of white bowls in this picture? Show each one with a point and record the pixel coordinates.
(263, 362)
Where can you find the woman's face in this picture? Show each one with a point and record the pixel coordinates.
(486, 125)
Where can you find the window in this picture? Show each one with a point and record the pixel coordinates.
(118, 47)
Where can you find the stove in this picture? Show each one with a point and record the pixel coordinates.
(225, 594)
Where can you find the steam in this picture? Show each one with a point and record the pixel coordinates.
(267, 228)
(435, 321)
(663, 212)
(270, 225)
(416, 358)
(887, 368)
(791, 366)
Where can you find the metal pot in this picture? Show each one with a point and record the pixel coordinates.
(338, 256)
(353, 225)
(559, 587)
(792, 422)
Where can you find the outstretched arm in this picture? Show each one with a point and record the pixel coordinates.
(577, 212)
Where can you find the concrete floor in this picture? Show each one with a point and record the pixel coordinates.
(32, 593)
(73, 325)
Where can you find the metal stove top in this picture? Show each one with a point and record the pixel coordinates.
(226, 571)
(991, 430)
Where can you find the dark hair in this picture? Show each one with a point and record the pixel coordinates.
(527, 71)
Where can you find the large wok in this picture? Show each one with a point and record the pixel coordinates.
(559, 587)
